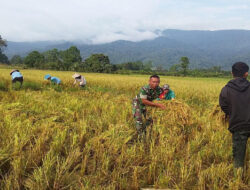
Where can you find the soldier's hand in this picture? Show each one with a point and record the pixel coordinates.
(163, 107)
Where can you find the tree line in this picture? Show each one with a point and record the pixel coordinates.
(71, 60)
(3, 57)
(65, 60)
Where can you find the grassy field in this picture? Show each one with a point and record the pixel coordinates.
(64, 137)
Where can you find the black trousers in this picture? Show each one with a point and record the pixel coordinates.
(19, 79)
(239, 147)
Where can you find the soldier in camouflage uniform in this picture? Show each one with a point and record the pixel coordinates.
(147, 94)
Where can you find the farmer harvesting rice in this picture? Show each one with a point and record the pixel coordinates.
(235, 102)
(53, 80)
(147, 94)
(16, 76)
(167, 93)
(79, 78)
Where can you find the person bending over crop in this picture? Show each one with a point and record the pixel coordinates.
(147, 94)
(16, 76)
(167, 93)
(79, 78)
(53, 80)
(235, 102)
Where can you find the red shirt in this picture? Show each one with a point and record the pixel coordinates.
(162, 95)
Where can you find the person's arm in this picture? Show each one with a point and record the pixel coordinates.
(223, 101)
(172, 95)
(85, 82)
(75, 82)
(143, 96)
(149, 103)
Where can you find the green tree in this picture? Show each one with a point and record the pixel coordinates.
(184, 63)
(51, 55)
(216, 69)
(3, 43)
(159, 68)
(98, 63)
(3, 57)
(34, 59)
(138, 65)
(175, 68)
(69, 57)
(16, 59)
(148, 66)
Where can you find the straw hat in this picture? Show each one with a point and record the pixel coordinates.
(76, 75)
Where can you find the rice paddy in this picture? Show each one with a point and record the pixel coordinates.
(67, 137)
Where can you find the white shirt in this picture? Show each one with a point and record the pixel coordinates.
(82, 80)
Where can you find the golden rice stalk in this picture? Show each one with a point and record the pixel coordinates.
(218, 115)
(176, 113)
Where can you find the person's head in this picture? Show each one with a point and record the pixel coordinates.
(154, 81)
(47, 77)
(14, 70)
(166, 87)
(240, 69)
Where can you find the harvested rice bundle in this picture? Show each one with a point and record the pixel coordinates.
(176, 113)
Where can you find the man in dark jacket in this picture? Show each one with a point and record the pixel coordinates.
(235, 102)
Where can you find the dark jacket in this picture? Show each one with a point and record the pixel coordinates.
(235, 102)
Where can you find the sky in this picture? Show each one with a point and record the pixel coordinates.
(102, 21)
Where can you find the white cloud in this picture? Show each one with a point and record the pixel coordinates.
(108, 20)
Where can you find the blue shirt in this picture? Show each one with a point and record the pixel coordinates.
(55, 80)
(16, 74)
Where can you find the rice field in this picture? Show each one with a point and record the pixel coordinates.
(65, 137)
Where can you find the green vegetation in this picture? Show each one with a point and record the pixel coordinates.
(69, 59)
(3, 57)
(16, 60)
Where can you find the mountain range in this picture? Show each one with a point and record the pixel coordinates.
(203, 48)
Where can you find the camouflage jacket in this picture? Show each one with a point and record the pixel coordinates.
(148, 93)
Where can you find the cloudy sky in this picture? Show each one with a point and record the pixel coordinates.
(100, 21)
